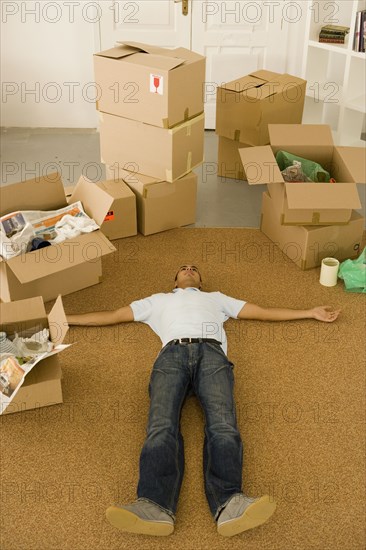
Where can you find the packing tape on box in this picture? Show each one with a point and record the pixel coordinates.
(183, 125)
(168, 175)
(189, 161)
(316, 218)
(186, 114)
(237, 135)
(165, 123)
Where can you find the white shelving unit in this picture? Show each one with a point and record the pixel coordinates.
(336, 75)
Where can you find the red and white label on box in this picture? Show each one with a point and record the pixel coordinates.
(156, 84)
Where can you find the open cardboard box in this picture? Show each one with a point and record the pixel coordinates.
(245, 106)
(58, 269)
(159, 86)
(120, 220)
(42, 385)
(161, 205)
(164, 154)
(307, 246)
(308, 203)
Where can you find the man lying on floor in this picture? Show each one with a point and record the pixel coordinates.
(191, 363)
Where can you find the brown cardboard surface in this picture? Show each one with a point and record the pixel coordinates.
(43, 193)
(94, 199)
(146, 149)
(57, 322)
(308, 245)
(307, 203)
(162, 205)
(229, 163)
(245, 106)
(124, 75)
(43, 272)
(42, 386)
(86, 248)
(114, 198)
(50, 286)
(355, 159)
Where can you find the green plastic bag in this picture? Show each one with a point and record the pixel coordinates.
(353, 272)
(313, 170)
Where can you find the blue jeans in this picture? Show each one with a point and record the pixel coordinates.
(179, 370)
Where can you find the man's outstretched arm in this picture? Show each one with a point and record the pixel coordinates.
(321, 313)
(98, 318)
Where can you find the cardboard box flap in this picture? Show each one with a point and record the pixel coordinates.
(96, 201)
(118, 52)
(34, 265)
(42, 193)
(147, 48)
(266, 75)
(282, 135)
(116, 189)
(22, 310)
(322, 196)
(244, 83)
(159, 189)
(166, 59)
(188, 55)
(355, 159)
(260, 166)
(275, 86)
(137, 181)
(57, 322)
(156, 61)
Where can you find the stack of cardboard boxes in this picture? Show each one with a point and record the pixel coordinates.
(246, 106)
(309, 221)
(152, 128)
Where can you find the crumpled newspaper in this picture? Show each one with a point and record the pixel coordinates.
(294, 173)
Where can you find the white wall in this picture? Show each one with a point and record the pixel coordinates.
(47, 61)
(47, 64)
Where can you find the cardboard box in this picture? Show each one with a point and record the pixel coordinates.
(229, 162)
(164, 154)
(42, 386)
(120, 220)
(159, 86)
(245, 106)
(58, 269)
(308, 203)
(161, 205)
(308, 245)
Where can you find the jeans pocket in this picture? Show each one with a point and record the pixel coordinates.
(218, 349)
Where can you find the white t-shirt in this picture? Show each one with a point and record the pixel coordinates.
(187, 313)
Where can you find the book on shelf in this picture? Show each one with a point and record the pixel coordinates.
(359, 36)
(331, 41)
(335, 29)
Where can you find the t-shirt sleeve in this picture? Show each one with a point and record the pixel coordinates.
(142, 309)
(230, 306)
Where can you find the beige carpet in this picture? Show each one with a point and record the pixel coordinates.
(300, 393)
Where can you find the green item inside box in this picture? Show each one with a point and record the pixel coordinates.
(313, 170)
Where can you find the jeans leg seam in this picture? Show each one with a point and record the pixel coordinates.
(175, 488)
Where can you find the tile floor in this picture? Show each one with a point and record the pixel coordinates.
(220, 203)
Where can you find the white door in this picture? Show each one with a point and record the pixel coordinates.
(237, 36)
(158, 22)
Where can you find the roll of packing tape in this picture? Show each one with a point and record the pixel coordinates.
(329, 272)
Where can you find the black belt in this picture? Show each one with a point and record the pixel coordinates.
(193, 341)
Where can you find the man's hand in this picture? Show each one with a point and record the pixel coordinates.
(325, 313)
